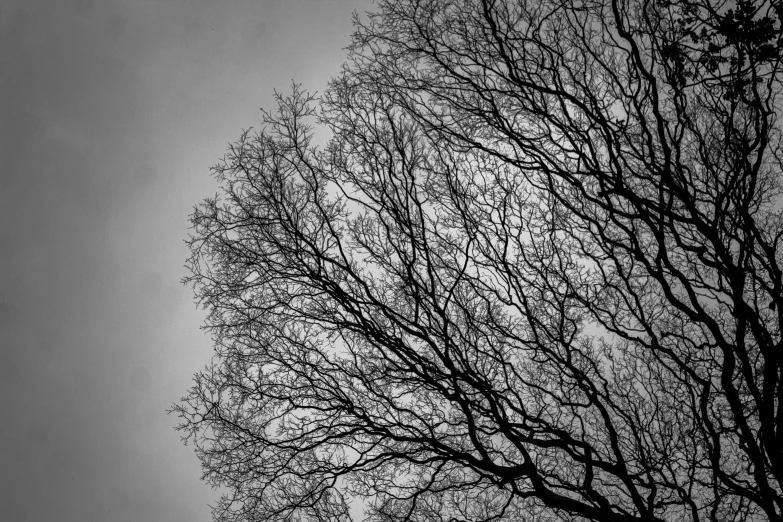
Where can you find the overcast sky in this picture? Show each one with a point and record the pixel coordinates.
(111, 113)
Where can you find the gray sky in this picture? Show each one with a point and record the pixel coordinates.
(111, 112)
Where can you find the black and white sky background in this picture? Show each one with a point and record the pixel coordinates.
(111, 113)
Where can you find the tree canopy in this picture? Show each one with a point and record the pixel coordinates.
(535, 273)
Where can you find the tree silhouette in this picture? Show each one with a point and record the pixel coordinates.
(534, 275)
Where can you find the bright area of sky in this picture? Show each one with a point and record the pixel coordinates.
(111, 113)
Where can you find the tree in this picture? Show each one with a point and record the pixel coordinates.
(534, 275)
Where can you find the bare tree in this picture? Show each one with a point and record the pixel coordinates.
(534, 275)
